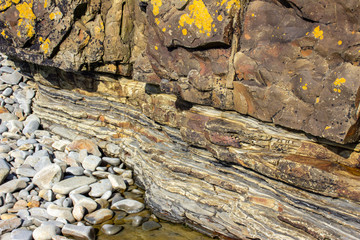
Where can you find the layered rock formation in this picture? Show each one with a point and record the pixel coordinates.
(172, 86)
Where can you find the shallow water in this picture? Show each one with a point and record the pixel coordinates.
(168, 231)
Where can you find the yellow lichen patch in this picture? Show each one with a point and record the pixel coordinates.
(164, 29)
(339, 42)
(44, 45)
(231, 4)
(45, 3)
(199, 15)
(54, 15)
(16, 1)
(318, 33)
(220, 18)
(4, 34)
(156, 47)
(317, 100)
(157, 21)
(327, 127)
(184, 32)
(27, 18)
(156, 6)
(338, 82)
(305, 87)
(5, 4)
(253, 15)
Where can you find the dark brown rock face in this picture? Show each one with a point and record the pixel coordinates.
(244, 107)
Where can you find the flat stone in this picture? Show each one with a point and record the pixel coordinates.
(128, 205)
(12, 79)
(67, 185)
(76, 171)
(60, 212)
(60, 145)
(81, 190)
(31, 127)
(26, 171)
(4, 148)
(78, 212)
(112, 161)
(88, 145)
(48, 176)
(21, 234)
(100, 187)
(91, 162)
(45, 232)
(89, 204)
(150, 225)
(99, 216)
(40, 212)
(117, 182)
(5, 117)
(43, 162)
(109, 229)
(9, 224)
(47, 194)
(7, 92)
(79, 232)
(6, 69)
(12, 186)
(4, 170)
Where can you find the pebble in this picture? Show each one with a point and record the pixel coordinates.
(100, 187)
(79, 232)
(12, 79)
(76, 171)
(117, 182)
(48, 176)
(99, 216)
(84, 144)
(79, 212)
(60, 212)
(91, 162)
(4, 170)
(9, 224)
(89, 204)
(128, 205)
(67, 185)
(7, 92)
(21, 234)
(60, 145)
(45, 232)
(150, 225)
(12, 186)
(109, 229)
(112, 161)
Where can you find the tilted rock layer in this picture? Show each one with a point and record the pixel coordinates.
(172, 86)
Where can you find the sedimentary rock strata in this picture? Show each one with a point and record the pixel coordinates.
(249, 108)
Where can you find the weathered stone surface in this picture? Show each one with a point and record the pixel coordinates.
(48, 176)
(241, 142)
(67, 185)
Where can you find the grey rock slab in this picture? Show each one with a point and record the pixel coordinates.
(48, 176)
(4, 170)
(21, 234)
(128, 205)
(100, 187)
(12, 186)
(9, 224)
(13, 78)
(99, 216)
(60, 212)
(117, 182)
(91, 162)
(150, 225)
(109, 229)
(67, 185)
(79, 232)
(45, 232)
(112, 161)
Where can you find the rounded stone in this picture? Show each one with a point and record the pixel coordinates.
(109, 229)
(45, 232)
(128, 205)
(150, 225)
(99, 216)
